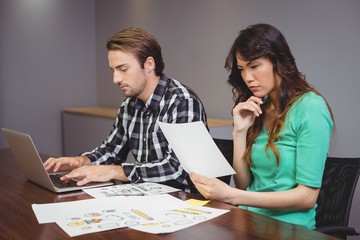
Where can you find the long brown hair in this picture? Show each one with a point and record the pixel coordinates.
(264, 40)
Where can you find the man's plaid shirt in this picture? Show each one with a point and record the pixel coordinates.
(136, 129)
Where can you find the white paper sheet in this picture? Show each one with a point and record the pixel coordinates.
(131, 189)
(177, 219)
(195, 149)
(110, 217)
(152, 214)
(51, 212)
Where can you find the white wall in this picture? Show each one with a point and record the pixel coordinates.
(47, 63)
(196, 36)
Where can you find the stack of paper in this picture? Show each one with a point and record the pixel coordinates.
(153, 214)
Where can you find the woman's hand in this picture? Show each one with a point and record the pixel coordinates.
(244, 113)
(211, 188)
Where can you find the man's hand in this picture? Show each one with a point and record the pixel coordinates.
(65, 163)
(98, 173)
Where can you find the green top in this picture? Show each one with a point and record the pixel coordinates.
(303, 146)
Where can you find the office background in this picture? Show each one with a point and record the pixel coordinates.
(53, 56)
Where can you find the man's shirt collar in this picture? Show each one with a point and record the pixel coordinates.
(153, 101)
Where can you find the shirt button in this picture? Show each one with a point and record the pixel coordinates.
(144, 139)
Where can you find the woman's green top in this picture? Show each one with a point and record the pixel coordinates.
(303, 145)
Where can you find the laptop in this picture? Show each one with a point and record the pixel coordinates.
(31, 164)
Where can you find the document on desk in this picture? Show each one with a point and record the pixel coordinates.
(65, 209)
(131, 189)
(101, 214)
(195, 149)
(176, 219)
(153, 214)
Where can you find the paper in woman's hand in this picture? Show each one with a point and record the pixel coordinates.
(195, 149)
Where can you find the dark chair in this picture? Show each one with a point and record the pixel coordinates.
(335, 197)
(226, 148)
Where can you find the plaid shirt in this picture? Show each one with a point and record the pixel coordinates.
(136, 130)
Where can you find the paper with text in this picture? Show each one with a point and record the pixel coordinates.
(66, 209)
(131, 189)
(176, 219)
(152, 214)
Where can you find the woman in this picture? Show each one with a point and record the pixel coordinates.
(282, 130)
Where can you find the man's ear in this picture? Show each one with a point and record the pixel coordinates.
(149, 64)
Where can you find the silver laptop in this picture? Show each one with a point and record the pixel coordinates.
(31, 164)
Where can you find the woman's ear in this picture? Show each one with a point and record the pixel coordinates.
(149, 64)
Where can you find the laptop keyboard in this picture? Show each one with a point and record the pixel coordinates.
(55, 178)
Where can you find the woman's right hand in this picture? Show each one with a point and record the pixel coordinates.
(211, 188)
(244, 113)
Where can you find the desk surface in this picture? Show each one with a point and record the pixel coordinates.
(19, 222)
(112, 112)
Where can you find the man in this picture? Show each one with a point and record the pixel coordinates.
(136, 61)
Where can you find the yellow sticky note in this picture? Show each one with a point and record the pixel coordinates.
(197, 203)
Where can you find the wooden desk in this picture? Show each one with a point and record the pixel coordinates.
(112, 112)
(18, 221)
